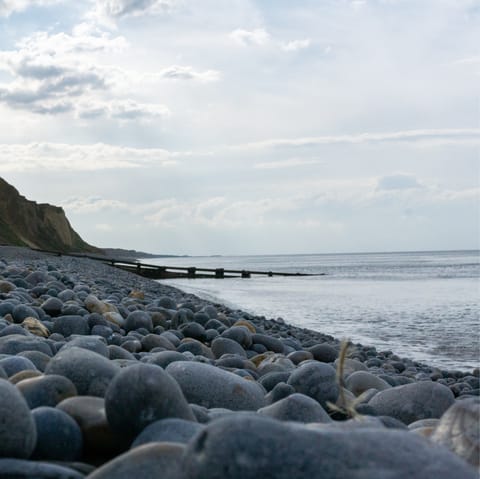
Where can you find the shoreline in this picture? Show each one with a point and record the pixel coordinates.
(133, 353)
(259, 319)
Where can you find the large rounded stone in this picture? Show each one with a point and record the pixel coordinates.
(89, 413)
(14, 364)
(17, 343)
(324, 352)
(18, 434)
(46, 390)
(162, 460)
(90, 372)
(138, 319)
(22, 311)
(243, 446)
(271, 343)
(58, 435)
(168, 430)
(151, 341)
(22, 469)
(70, 324)
(142, 394)
(96, 344)
(52, 306)
(360, 381)
(296, 407)
(411, 402)
(221, 346)
(212, 387)
(316, 380)
(240, 334)
(164, 358)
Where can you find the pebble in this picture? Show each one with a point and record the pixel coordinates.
(316, 380)
(221, 346)
(58, 435)
(18, 434)
(168, 430)
(249, 446)
(98, 437)
(14, 364)
(142, 394)
(324, 352)
(361, 381)
(22, 469)
(296, 407)
(411, 402)
(160, 460)
(211, 387)
(90, 372)
(46, 390)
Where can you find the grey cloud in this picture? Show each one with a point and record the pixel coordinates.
(29, 69)
(124, 8)
(398, 181)
(52, 108)
(50, 94)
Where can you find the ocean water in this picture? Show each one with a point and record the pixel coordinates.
(421, 305)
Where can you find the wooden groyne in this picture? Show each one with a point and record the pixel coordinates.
(154, 271)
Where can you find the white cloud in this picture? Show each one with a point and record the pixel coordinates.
(92, 204)
(65, 157)
(179, 72)
(289, 163)
(436, 136)
(258, 37)
(7, 7)
(125, 110)
(295, 45)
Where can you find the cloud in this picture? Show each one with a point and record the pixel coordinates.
(67, 157)
(295, 45)
(289, 163)
(92, 204)
(258, 37)
(178, 72)
(55, 74)
(398, 181)
(117, 9)
(51, 72)
(436, 136)
(7, 7)
(125, 110)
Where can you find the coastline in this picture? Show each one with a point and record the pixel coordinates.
(123, 325)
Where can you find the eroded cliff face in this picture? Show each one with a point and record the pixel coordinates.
(27, 223)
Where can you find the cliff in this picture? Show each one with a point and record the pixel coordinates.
(43, 226)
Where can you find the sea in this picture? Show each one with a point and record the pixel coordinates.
(420, 305)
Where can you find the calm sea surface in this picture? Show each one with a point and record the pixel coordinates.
(423, 305)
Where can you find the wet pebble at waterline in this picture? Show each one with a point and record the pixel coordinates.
(103, 373)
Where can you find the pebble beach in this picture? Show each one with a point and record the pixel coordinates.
(105, 374)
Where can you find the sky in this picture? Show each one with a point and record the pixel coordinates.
(247, 126)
